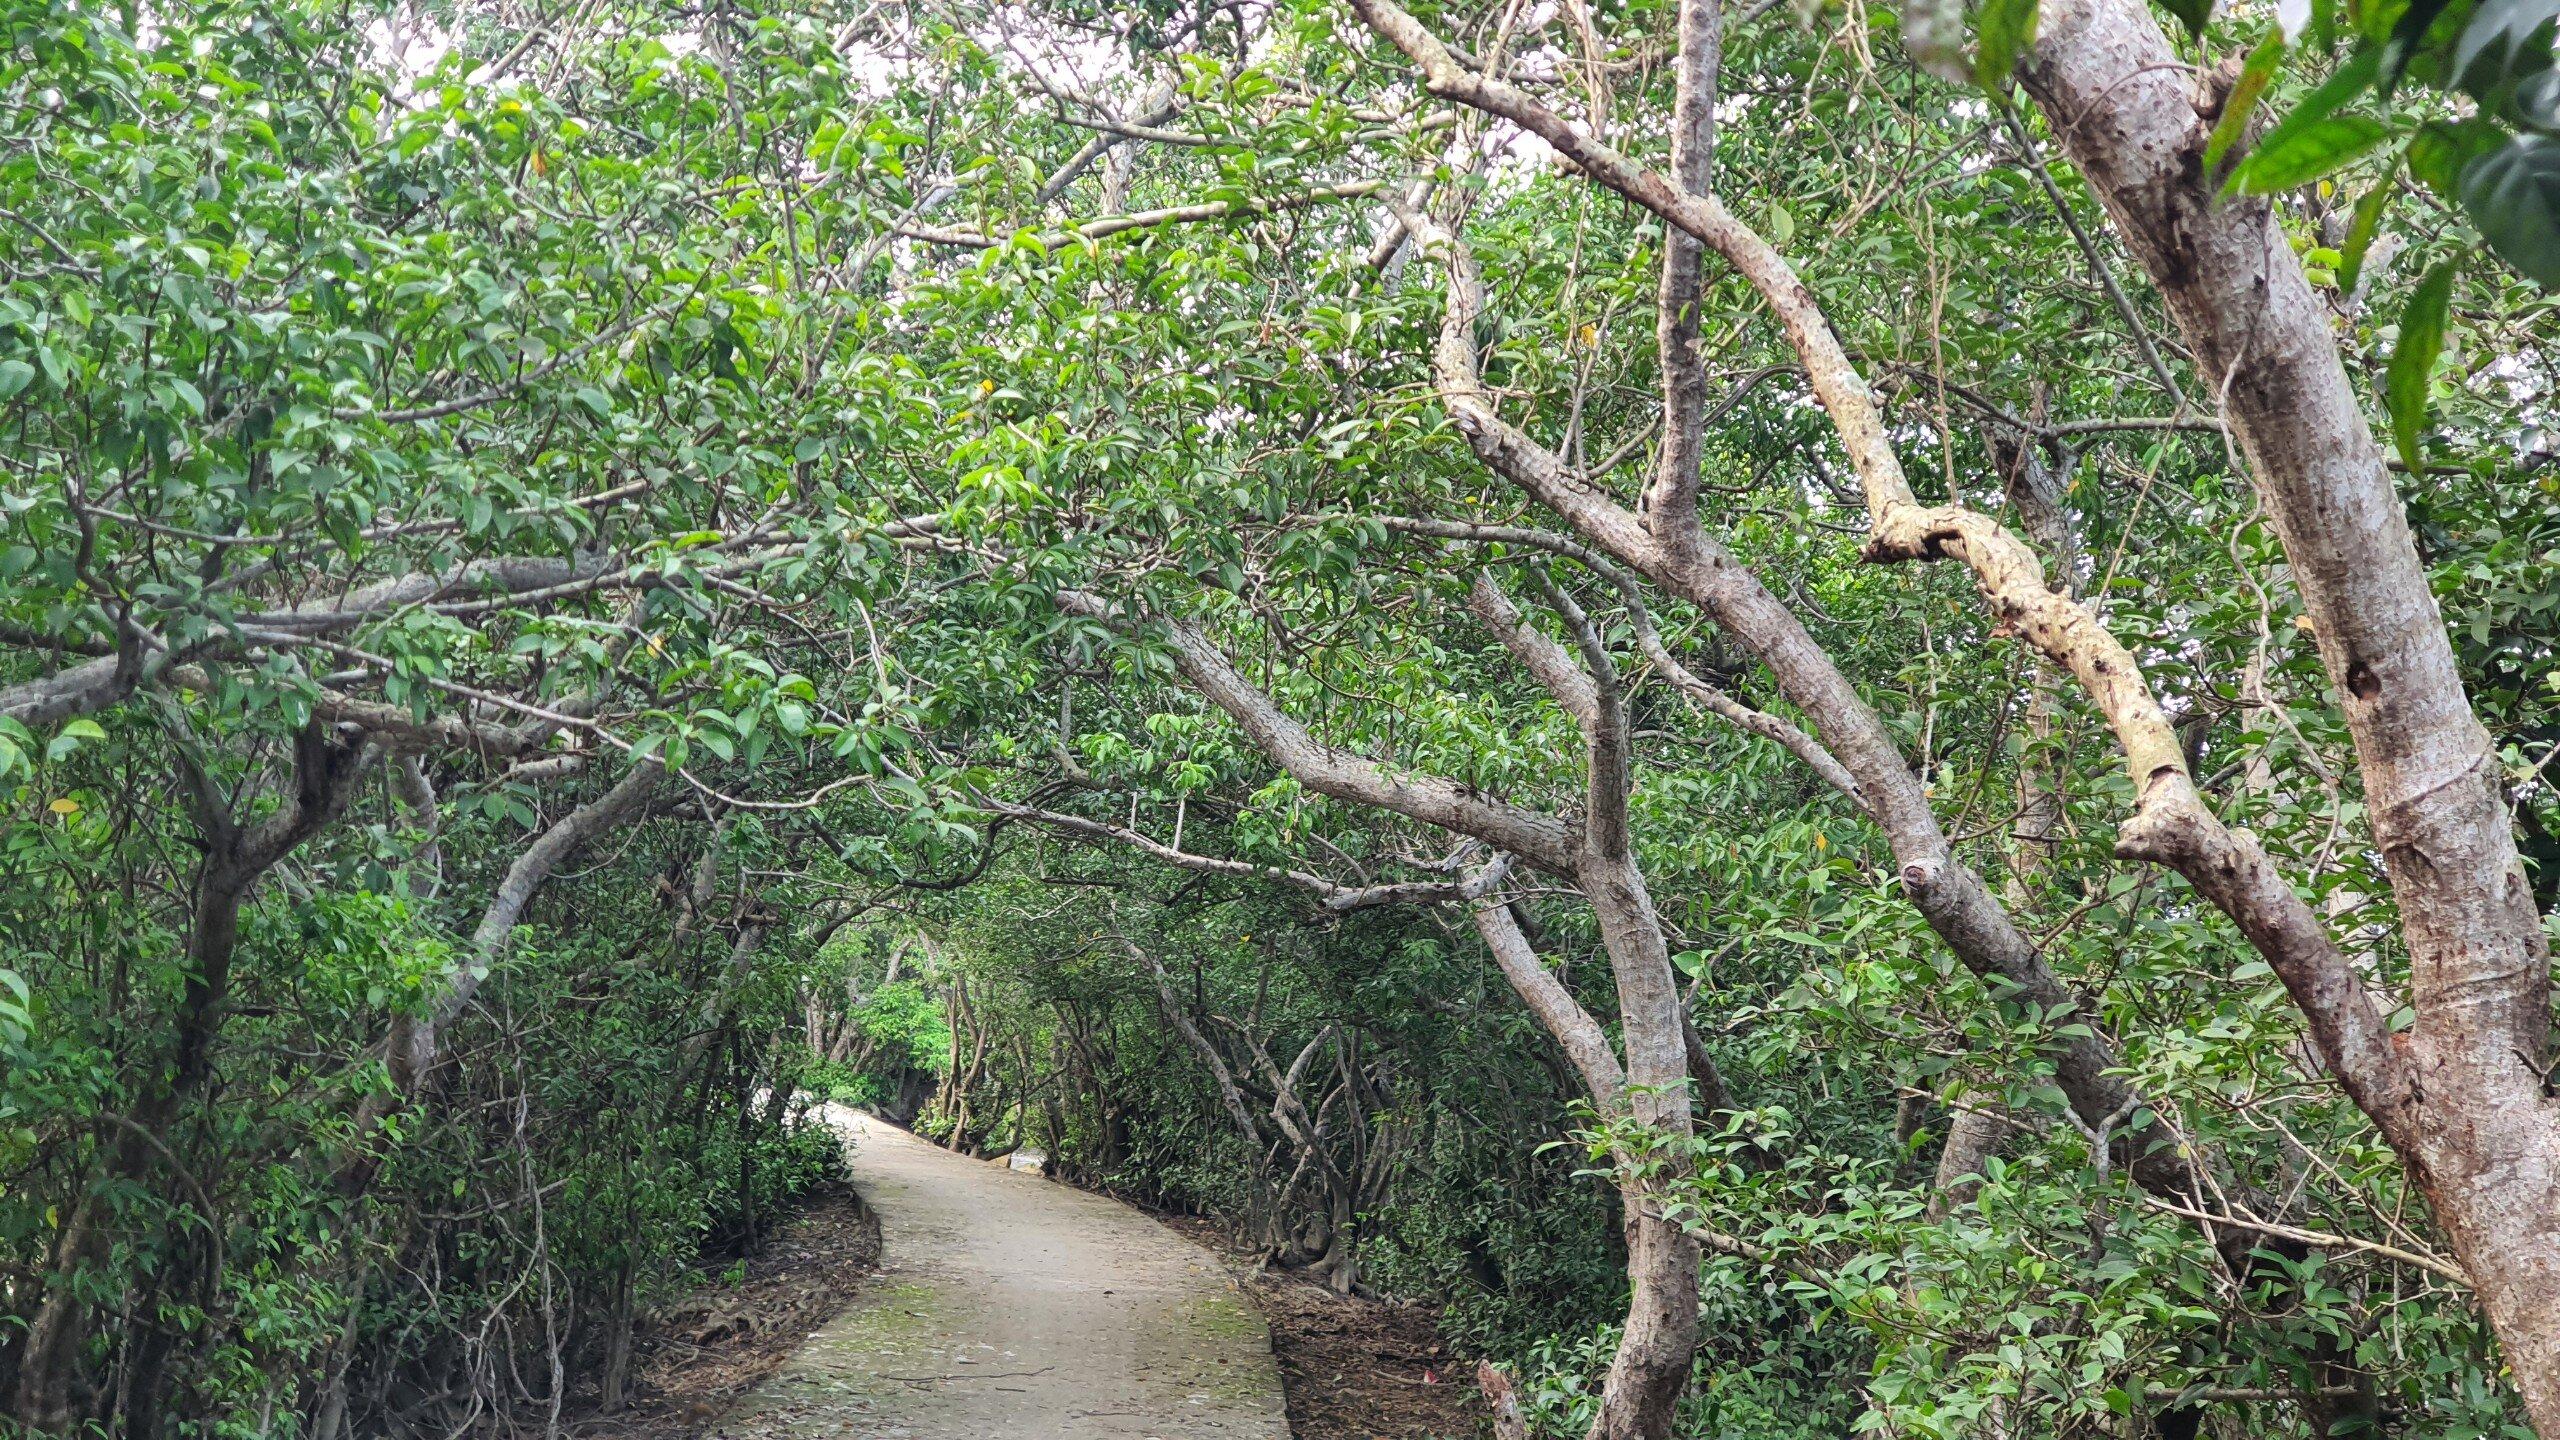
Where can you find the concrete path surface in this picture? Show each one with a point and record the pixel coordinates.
(1011, 1306)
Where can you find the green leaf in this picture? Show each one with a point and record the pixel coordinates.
(2004, 29)
(2504, 41)
(14, 375)
(2255, 74)
(2321, 148)
(2406, 36)
(2537, 101)
(2195, 13)
(68, 739)
(2513, 196)
(2349, 82)
(2360, 230)
(2413, 361)
(2439, 153)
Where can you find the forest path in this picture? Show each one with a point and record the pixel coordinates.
(1008, 1305)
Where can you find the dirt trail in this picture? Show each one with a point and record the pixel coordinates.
(1009, 1306)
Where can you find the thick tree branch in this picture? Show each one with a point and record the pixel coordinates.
(1679, 327)
(1542, 840)
(1649, 642)
(2170, 825)
(1950, 896)
(1584, 1043)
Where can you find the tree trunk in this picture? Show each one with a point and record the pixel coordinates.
(1642, 1391)
(411, 1050)
(326, 763)
(1975, 1132)
(2476, 1125)
(615, 1386)
(1503, 1399)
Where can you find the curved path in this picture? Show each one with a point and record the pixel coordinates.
(1010, 1306)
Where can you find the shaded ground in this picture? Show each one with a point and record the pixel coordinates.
(1006, 1305)
(1356, 1369)
(1352, 1369)
(697, 1357)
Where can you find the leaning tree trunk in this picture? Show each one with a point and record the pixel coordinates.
(411, 1051)
(1653, 1366)
(2470, 1113)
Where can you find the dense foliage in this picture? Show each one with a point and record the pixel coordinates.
(573, 583)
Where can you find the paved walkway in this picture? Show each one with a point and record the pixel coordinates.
(1010, 1306)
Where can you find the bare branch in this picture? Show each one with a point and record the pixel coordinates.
(1110, 225)
(1542, 840)
(1584, 1043)
(1335, 897)
(2170, 824)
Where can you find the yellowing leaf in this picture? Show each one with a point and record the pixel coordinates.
(64, 806)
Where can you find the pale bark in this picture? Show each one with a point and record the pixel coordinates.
(471, 588)
(2170, 824)
(1653, 1359)
(1333, 896)
(1651, 1368)
(1578, 1035)
(1976, 1129)
(1178, 1015)
(417, 795)
(2475, 1123)
(1949, 895)
(1105, 226)
(410, 1052)
(734, 975)
(96, 684)
(2482, 1142)
(1976, 1124)
(1542, 840)
(1652, 1364)
(1503, 1399)
(625, 802)
(1671, 501)
(1649, 642)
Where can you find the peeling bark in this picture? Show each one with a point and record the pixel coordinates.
(1949, 895)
